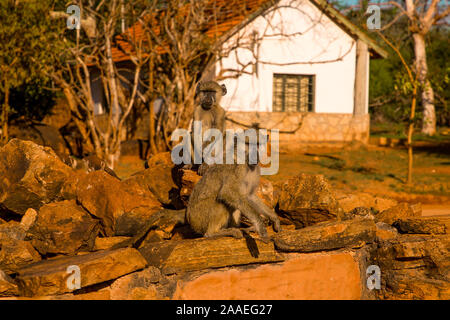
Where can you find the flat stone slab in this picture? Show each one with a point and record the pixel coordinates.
(327, 236)
(424, 225)
(198, 254)
(51, 276)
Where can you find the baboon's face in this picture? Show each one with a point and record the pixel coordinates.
(208, 99)
(210, 94)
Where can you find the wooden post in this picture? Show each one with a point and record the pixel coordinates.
(361, 101)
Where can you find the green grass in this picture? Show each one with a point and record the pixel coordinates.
(373, 168)
(398, 131)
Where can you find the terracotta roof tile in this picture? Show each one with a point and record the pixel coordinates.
(229, 13)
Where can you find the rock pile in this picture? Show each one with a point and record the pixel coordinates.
(67, 234)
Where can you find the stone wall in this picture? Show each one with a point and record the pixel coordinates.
(297, 128)
(316, 276)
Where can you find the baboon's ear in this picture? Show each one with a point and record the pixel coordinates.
(224, 89)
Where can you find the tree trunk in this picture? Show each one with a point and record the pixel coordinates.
(429, 114)
(112, 158)
(410, 133)
(5, 112)
(111, 153)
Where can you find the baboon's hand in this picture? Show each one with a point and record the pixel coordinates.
(276, 225)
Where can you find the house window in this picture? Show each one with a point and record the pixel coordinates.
(293, 92)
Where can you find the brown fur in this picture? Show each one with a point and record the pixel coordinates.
(219, 196)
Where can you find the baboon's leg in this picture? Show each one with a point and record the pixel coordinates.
(266, 211)
(242, 203)
(233, 232)
(236, 218)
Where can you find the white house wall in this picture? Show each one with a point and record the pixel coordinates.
(323, 49)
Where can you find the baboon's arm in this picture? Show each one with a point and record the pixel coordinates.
(266, 211)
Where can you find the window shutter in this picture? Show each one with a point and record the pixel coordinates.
(278, 93)
(293, 93)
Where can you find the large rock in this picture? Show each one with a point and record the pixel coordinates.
(51, 276)
(307, 200)
(134, 220)
(162, 158)
(121, 213)
(416, 252)
(69, 189)
(13, 230)
(160, 225)
(400, 211)
(348, 202)
(266, 193)
(7, 286)
(408, 286)
(327, 236)
(414, 267)
(385, 231)
(108, 242)
(197, 254)
(63, 228)
(424, 225)
(159, 180)
(139, 285)
(188, 179)
(32, 176)
(314, 276)
(165, 221)
(15, 254)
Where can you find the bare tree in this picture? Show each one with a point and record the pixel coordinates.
(89, 58)
(422, 15)
(414, 85)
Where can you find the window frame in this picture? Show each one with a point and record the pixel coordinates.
(311, 94)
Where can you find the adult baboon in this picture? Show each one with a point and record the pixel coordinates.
(220, 197)
(209, 112)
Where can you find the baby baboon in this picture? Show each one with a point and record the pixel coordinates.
(209, 111)
(221, 195)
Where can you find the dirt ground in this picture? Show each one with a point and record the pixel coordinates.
(376, 170)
